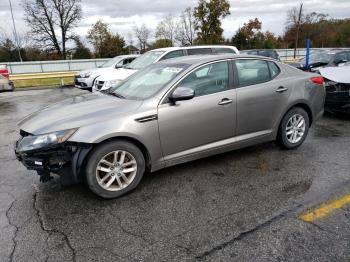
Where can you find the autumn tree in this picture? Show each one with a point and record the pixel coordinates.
(166, 29)
(186, 29)
(250, 36)
(52, 22)
(105, 43)
(320, 28)
(208, 14)
(142, 34)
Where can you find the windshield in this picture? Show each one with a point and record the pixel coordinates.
(148, 81)
(111, 62)
(144, 60)
(318, 57)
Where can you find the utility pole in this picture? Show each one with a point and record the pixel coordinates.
(298, 29)
(15, 33)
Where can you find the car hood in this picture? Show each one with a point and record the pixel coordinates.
(337, 74)
(77, 112)
(119, 74)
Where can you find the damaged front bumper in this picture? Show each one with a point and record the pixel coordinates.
(65, 160)
(337, 97)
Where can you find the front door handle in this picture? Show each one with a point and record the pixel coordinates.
(225, 101)
(281, 89)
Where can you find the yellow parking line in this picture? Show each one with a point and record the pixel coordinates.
(325, 209)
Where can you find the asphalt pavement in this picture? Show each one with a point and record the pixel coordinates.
(245, 205)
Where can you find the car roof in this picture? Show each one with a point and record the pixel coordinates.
(126, 56)
(192, 47)
(201, 59)
(247, 50)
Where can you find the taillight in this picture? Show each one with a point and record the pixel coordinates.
(318, 80)
(4, 72)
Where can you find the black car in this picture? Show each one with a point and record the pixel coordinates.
(262, 52)
(337, 84)
(320, 59)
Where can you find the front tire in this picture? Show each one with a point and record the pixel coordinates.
(293, 128)
(114, 168)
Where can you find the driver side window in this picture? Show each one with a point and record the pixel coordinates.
(209, 79)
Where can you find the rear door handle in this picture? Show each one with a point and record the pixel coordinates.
(225, 101)
(281, 89)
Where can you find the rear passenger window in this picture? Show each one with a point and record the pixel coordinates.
(224, 51)
(199, 51)
(173, 54)
(252, 72)
(274, 69)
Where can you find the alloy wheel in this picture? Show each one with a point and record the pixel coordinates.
(295, 128)
(116, 170)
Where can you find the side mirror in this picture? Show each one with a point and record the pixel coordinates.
(119, 65)
(181, 93)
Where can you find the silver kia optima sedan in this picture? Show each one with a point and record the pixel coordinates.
(169, 113)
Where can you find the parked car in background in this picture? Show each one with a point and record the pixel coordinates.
(112, 79)
(326, 58)
(337, 82)
(85, 79)
(169, 113)
(272, 53)
(4, 71)
(6, 84)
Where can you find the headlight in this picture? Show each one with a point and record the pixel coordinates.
(112, 83)
(86, 75)
(45, 140)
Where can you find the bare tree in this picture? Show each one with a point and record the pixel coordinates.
(142, 34)
(186, 31)
(295, 18)
(52, 21)
(166, 29)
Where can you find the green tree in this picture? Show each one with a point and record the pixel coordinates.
(208, 14)
(81, 51)
(160, 43)
(6, 51)
(115, 46)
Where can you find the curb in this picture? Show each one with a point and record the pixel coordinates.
(40, 87)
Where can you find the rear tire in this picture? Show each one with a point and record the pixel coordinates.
(114, 168)
(293, 129)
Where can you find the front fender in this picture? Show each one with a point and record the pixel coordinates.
(145, 133)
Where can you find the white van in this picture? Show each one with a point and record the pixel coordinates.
(112, 79)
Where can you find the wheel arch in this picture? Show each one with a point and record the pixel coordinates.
(302, 104)
(134, 141)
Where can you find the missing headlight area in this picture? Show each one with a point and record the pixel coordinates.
(64, 159)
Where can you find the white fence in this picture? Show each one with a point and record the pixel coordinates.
(53, 66)
(76, 65)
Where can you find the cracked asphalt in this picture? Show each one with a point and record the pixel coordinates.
(238, 206)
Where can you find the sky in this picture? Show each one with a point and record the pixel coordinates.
(122, 15)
